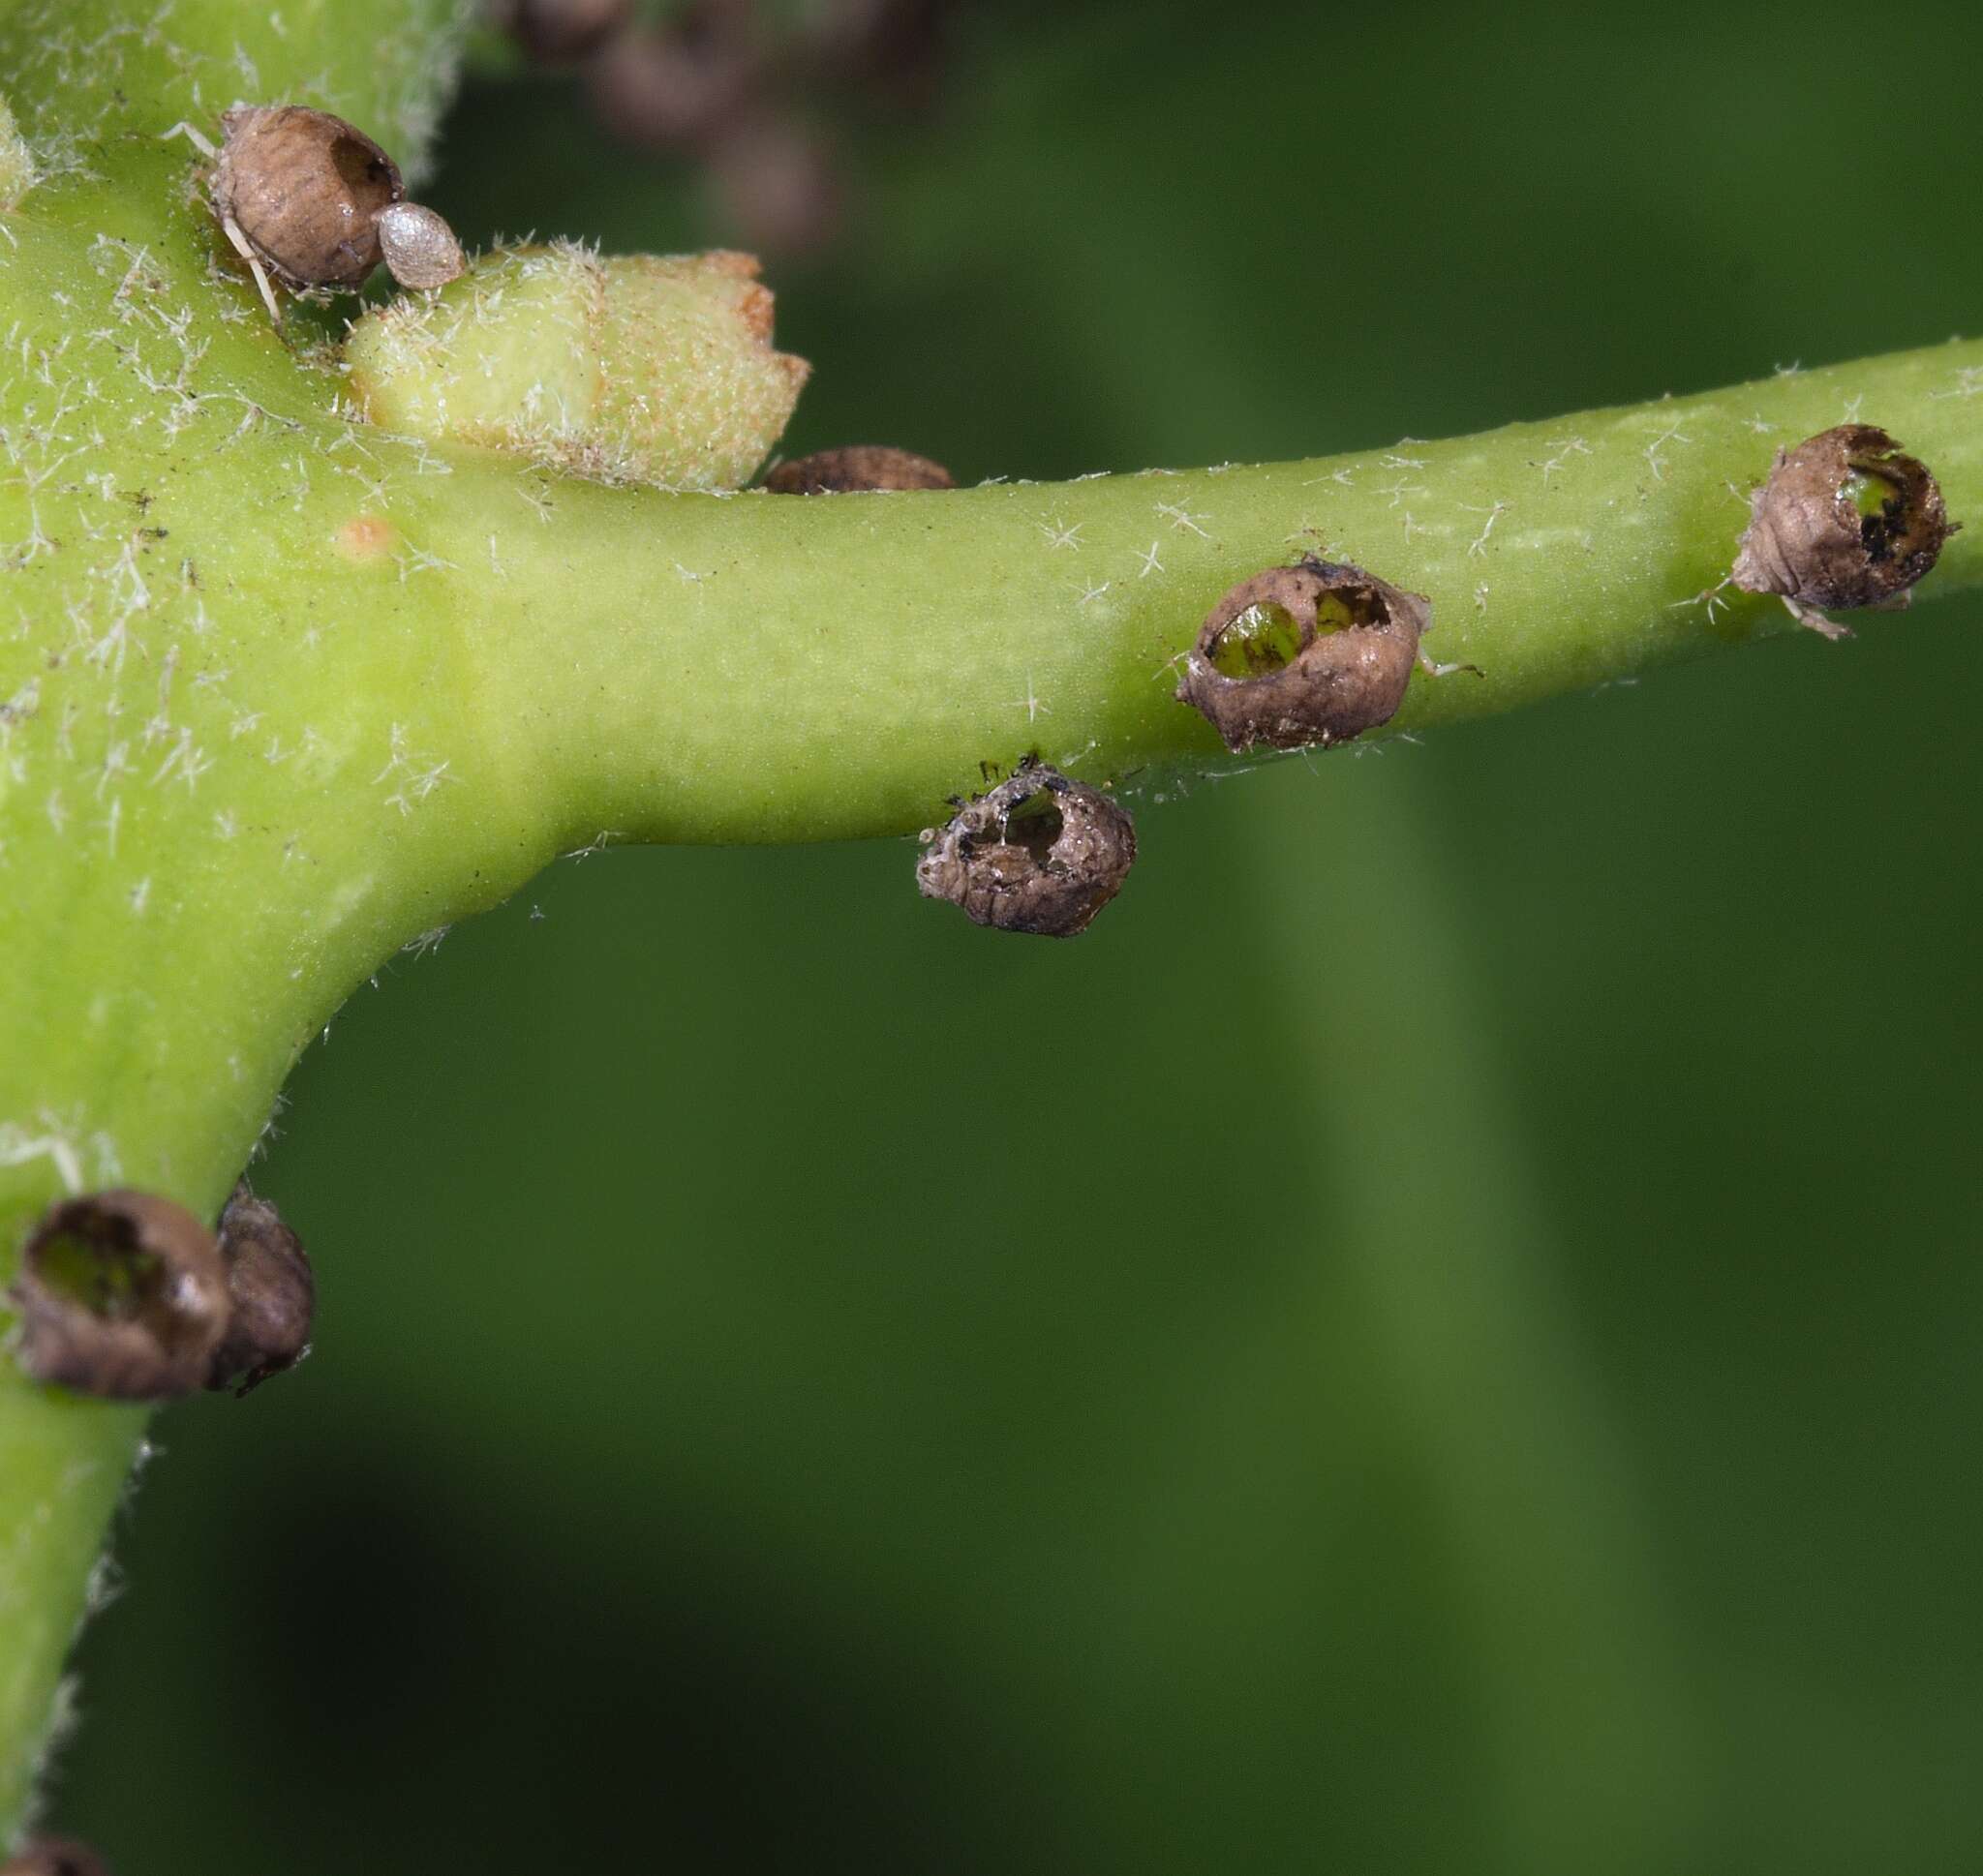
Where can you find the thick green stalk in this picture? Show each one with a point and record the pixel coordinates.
(278, 693)
(84, 73)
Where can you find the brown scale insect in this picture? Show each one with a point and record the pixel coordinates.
(856, 467)
(271, 1293)
(1846, 518)
(311, 203)
(1038, 854)
(1305, 655)
(122, 1295)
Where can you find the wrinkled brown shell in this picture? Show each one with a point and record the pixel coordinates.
(858, 466)
(156, 1308)
(306, 190)
(418, 247)
(555, 32)
(1339, 683)
(54, 1857)
(272, 1290)
(1005, 884)
(1809, 542)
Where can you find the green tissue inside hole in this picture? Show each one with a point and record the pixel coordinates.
(1263, 639)
(1034, 824)
(111, 1280)
(1868, 493)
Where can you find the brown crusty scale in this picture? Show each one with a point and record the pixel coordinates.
(1846, 518)
(1038, 854)
(272, 1292)
(122, 1295)
(856, 467)
(1327, 685)
(305, 189)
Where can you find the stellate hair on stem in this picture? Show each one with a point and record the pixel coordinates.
(54, 1857)
(856, 467)
(122, 1295)
(272, 1295)
(1846, 518)
(1038, 854)
(1305, 655)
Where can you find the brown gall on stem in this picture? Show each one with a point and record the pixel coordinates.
(418, 247)
(1846, 518)
(54, 1857)
(121, 1295)
(1038, 854)
(272, 1293)
(558, 32)
(858, 466)
(1306, 654)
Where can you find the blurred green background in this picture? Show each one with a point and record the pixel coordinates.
(1442, 1337)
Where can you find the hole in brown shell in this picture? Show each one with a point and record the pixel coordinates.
(1847, 518)
(1036, 824)
(1317, 653)
(121, 1294)
(1037, 854)
(365, 173)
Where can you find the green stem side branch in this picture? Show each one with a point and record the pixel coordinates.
(280, 692)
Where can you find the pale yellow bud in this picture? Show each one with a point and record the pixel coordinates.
(635, 369)
(17, 161)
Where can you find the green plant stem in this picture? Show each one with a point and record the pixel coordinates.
(82, 73)
(278, 693)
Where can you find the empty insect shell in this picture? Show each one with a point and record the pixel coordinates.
(272, 1292)
(858, 466)
(1310, 654)
(1846, 518)
(122, 1295)
(1038, 854)
(304, 190)
(418, 247)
